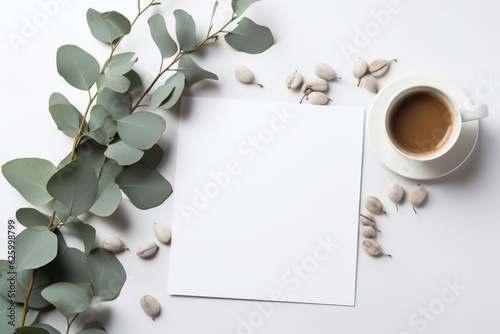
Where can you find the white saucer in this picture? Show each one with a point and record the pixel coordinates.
(375, 121)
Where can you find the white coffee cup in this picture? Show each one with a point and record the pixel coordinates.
(423, 122)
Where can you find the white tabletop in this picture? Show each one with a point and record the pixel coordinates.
(443, 276)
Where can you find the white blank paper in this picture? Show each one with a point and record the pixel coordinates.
(266, 201)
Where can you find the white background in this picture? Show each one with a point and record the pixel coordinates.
(453, 238)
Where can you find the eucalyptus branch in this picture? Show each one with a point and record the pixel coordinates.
(27, 298)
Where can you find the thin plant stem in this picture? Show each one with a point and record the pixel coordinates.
(27, 298)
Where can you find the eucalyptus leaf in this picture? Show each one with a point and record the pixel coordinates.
(167, 95)
(135, 80)
(185, 29)
(117, 104)
(31, 330)
(35, 246)
(61, 210)
(47, 327)
(161, 36)
(69, 266)
(58, 98)
(79, 68)
(67, 119)
(117, 83)
(145, 187)
(108, 198)
(250, 37)
(106, 274)
(94, 153)
(214, 9)
(112, 168)
(9, 313)
(108, 26)
(75, 185)
(240, 6)
(141, 130)
(193, 72)
(29, 176)
(69, 298)
(29, 217)
(121, 63)
(102, 126)
(122, 153)
(61, 243)
(82, 231)
(152, 157)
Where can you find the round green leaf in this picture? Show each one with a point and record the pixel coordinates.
(141, 130)
(69, 298)
(167, 95)
(117, 104)
(153, 156)
(122, 153)
(135, 80)
(121, 63)
(30, 176)
(67, 118)
(250, 37)
(106, 274)
(47, 327)
(75, 185)
(82, 231)
(108, 198)
(29, 217)
(145, 187)
(185, 29)
(161, 36)
(102, 127)
(193, 72)
(117, 83)
(69, 266)
(108, 26)
(35, 246)
(79, 68)
(239, 6)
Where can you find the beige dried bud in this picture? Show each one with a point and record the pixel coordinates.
(370, 83)
(367, 219)
(326, 72)
(379, 66)
(162, 232)
(372, 247)
(315, 85)
(150, 305)
(374, 205)
(396, 194)
(318, 98)
(147, 249)
(244, 74)
(294, 80)
(114, 245)
(417, 196)
(369, 232)
(359, 69)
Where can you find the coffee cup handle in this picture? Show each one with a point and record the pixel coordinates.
(475, 112)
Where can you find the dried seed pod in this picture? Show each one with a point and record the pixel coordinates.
(379, 66)
(150, 305)
(367, 219)
(373, 248)
(113, 245)
(325, 71)
(369, 232)
(370, 83)
(244, 75)
(294, 80)
(359, 69)
(374, 205)
(417, 196)
(318, 98)
(162, 232)
(396, 194)
(315, 85)
(147, 249)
